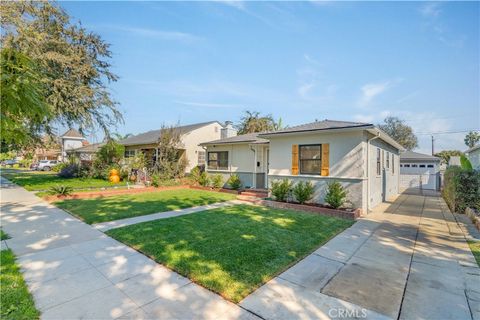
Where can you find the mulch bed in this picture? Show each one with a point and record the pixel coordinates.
(107, 193)
(352, 214)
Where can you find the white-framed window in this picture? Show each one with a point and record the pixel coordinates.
(379, 167)
(393, 163)
(414, 166)
(129, 153)
(430, 166)
(406, 166)
(218, 160)
(201, 158)
(388, 160)
(422, 166)
(310, 158)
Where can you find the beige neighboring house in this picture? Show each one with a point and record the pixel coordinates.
(473, 154)
(359, 155)
(191, 137)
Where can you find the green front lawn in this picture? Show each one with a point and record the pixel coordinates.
(126, 206)
(475, 247)
(16, 301)
(231, 250)
(34, 181)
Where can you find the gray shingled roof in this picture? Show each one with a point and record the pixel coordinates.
(249, 137)
(319, 125)
(410, 155)
(72, 133)
(153, 136)
(90, 148)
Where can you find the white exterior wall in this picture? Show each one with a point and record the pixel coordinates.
(474, 158)
(414, 177)
(241, 161)
(192, 140)
(386, 185)
(346, 159)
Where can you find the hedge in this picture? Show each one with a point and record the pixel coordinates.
(461, 189)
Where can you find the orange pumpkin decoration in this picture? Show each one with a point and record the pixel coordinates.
(114, 172)
(114, 179)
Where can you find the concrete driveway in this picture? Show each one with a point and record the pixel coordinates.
(407, 260)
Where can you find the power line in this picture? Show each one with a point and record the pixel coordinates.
(446, 132)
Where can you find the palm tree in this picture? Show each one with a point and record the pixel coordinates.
(118, 136)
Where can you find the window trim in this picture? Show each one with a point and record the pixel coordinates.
(300, 167)
(217, 161)
(129, 152)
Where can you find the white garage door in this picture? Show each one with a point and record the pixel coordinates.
(416, 181)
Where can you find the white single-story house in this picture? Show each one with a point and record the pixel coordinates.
(191, 136)
(473, 154)
(359, 155)
(419, 171)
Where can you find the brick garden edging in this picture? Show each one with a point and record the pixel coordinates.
(352, 215)
(106, 193)
(124, 191)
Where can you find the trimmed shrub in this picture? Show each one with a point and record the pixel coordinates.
(461, 189)
(195, 174)
(60, 190)
(204, 179)
(281, 189)
(59, 166)
(70, 170)
(336, 194)
(234, 182)
(303, 191)
(217, 181)
(155, 181)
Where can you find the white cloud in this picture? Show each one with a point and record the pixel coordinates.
(430, 9)
(207, 105)
(311, 60)
(240, 5)
(304, 89)
(364, 118)
(158, 34)
(372, 90)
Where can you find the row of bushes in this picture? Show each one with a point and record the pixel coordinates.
(216, 181)
(461, 188)
(303, 191)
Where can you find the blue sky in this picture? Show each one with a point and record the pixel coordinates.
(301, 61)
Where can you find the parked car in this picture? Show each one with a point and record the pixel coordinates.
(34, 166)
(46, 165)
(9, 163)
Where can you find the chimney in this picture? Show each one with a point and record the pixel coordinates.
(228, 130)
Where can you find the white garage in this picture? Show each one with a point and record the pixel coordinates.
(419, 171)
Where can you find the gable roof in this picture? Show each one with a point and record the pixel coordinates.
(72, 133)
(319, 125)
(90, 148)
(244, 138)
(152, 136)
(473, 148)
(410, 155)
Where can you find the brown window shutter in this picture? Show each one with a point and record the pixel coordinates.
(325, 170)
(295, 159)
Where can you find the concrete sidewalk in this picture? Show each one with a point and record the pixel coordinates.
(77, 272)
(105, 226)
(407, 260)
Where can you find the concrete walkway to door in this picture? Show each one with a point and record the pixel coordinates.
(407, 260)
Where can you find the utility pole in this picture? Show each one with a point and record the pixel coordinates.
(433, 149)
